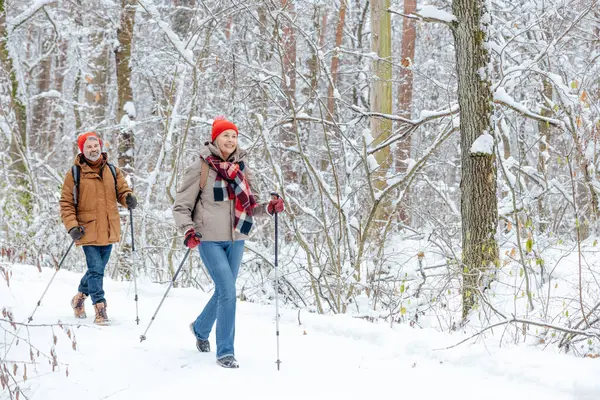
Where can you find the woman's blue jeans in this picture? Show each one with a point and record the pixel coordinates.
(222, 260)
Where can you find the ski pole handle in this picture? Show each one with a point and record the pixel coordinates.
(131, 223)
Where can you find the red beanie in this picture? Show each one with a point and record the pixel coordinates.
(83, 137)
(220, 125)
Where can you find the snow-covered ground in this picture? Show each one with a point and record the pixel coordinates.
(326, 357)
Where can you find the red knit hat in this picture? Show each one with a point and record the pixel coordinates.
(83, 137)
(220, 125)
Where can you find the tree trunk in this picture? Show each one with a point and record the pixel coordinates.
(38, 139)
(544, 131)
(335, 60)
(126, 108)
(57, 117)
(19, 129)
(405, 95)
(323, 28)
(381, 92)
(289, 52)
(358, 40)
(182, 16)
(288, 85)
(479, 208)
(95, 91)
(125, 113)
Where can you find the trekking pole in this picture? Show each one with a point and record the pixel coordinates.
(278, 362)
(187, 253)
(137, 316)
(51, 279)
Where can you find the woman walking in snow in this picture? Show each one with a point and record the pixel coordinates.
(215, 207)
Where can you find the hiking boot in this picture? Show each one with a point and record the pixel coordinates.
(228, 362)
(78, 306)
(203, 346)
(101, 317)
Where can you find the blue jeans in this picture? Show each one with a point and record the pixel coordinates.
(92, 282)
(222, 260)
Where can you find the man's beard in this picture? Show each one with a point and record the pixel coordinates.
(93, 156)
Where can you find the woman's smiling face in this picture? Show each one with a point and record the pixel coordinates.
(227, 142)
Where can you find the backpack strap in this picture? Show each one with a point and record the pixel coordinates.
(203, 174)
(113, 171)
(76, 176)
(203, 178)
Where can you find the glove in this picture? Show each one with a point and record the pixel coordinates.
(131, 201)
(275, 206)
(192, 238)
(76, 233)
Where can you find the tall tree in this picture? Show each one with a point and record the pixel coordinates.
(479, 208)
(335, 60)
(544, 131)
(405, 96)
(381, 90)
(126, 108)
(287, 53)
(96, 73)
(19, 128)
(125, 105)
(41, 105)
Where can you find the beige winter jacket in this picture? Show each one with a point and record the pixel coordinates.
(212, 219)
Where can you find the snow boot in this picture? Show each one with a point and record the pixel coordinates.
(228, 362)
(203, 346)
(101, 316)
(78, 306)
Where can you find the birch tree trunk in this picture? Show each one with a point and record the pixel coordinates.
(479, 208)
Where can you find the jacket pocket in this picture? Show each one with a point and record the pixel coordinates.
(90, 232)
(114, 230)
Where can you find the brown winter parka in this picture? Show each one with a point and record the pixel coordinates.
(97, 211)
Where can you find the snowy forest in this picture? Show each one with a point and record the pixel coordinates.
(438, 162)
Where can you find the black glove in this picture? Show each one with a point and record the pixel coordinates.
(131, 201)
(76, 233)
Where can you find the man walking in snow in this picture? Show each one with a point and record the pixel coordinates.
(89, 211)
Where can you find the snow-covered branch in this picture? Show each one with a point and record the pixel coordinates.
(186, 53)
(501, 97)
(429, 14)
(13, 24)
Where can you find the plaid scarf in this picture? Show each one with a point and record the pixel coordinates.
(231, 183)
